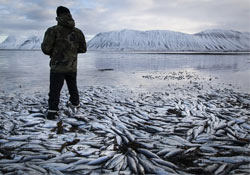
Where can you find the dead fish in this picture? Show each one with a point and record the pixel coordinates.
(37, 115)
(132, 164)
(31, 124)
(234, 159)
(220, 169)
(85, 167)
(153, 129)
(237, 149)
(100, 160)
(35, 167)
(147, 165)
(165, 163)
(53, 171)
(19, 138)
(165, 151)
(118, 140)
(208, 149)
(125, 163)
(119, 164)
(129, 135)
(56, 166)
(82, 161)
(42, 157)
(212, 168)
(147, 153)
(173, 153)
(116, 159)
(140, 169)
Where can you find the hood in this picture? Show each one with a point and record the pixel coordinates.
(66, 20)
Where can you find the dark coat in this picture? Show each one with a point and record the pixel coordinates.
(62, 43)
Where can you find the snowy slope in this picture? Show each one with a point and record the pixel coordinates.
(13, 42)
(155, 40)
(163, 40)
(33, 42)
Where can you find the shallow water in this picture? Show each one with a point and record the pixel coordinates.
(28, 71)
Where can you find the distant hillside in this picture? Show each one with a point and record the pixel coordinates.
(12, 42)
(155, 40)
(164, 40)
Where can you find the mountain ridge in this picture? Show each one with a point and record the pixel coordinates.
(165, 40)
(215, 40)
(22, 43)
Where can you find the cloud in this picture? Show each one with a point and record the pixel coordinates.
(34, 17)
(226, 14)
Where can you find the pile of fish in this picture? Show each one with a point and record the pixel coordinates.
(175, 75)
(115, 132)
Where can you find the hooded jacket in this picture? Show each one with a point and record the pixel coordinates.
(62, 43)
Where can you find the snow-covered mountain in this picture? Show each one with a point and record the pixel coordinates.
(164, 40)
(154, 40)
(13, 42)
(33, 42)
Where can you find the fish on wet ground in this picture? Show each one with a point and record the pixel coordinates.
(148, 133)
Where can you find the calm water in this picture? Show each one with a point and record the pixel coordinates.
(28, 71)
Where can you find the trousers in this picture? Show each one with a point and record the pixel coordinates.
(56, 84)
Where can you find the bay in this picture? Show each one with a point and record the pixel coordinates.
(28, 71)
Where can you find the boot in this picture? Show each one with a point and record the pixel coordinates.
(73, 108)
(51, 115)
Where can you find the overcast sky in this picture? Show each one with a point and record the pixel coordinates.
(26, 17)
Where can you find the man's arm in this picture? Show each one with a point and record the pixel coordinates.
(82, 43)
(48, 41)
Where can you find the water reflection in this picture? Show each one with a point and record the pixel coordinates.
(218, 67)
(152, 62)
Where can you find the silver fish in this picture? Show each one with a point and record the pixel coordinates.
(147, 153)
(100, 160)
(132, 164)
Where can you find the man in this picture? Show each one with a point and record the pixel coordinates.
(62, 43)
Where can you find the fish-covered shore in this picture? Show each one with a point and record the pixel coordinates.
(191, 128)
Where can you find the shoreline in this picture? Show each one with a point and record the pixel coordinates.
(155, 52)
(175, 81)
